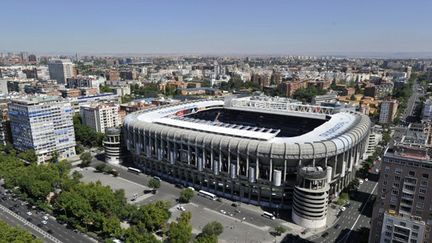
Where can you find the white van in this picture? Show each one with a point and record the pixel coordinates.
(268, 215)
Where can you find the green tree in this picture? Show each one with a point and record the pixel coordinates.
(85, 159)
(306, 94)
(181, 231)
(133, 235)
(206, 239)
(186, 195)
(212, 228)
(9, 149)
(54, 157)
(28, 155)
(12, 234)
(154, 183)
(105, 89)
(79, 149)
(85, 135)
(280, 230)
(153, 216)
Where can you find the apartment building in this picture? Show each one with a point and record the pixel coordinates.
(402, 211)
(388, 111)
(43, 124)
(61, 70)
(100, 116)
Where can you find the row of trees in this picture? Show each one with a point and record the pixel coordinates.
(148, 90)
(236, 83)
(12, 234)
(92, 207)
(306, 94)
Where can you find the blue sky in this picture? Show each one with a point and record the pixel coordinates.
(224, 27)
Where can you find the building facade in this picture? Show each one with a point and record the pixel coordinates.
(201, 144)
(388, 111)
(60, 70)
(402, 228)
(43, 124)
(404, 190)
(100, 116)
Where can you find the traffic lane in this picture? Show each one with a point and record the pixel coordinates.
(12, 221)
(59, 231)
(347, 218)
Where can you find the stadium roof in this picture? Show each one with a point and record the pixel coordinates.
(169, 115)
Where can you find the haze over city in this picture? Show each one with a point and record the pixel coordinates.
(368, 27)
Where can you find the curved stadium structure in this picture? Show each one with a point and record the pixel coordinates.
(266, 151)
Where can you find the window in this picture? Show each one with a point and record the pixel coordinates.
(398, 171)
(425, 176)
(411, 173)
(422, 190)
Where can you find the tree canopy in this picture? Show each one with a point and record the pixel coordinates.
(154, 183)
(181, 231)
(15, 235)
(306, 94)
(186, 195)
(85, 135)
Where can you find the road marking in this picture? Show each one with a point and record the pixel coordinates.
(344, 239)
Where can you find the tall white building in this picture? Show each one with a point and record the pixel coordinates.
(427, 110)
(388, 111)
(100, 116)
(60, 70)
(43, 124)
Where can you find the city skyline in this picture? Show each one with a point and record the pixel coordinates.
(363, 28)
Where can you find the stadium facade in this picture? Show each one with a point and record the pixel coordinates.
(271, 152)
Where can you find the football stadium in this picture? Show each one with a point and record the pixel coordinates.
(268, 151)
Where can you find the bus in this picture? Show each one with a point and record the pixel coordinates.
(132, 169)
(207, 195)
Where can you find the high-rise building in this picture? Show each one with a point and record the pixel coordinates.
(388, 111)
(43, 124)
(100, 116)
(402, 211)
(60, 70)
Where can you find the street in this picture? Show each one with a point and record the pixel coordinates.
(356, 216)
(20, 208)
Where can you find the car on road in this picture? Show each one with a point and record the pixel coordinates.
(360, 181)
(325, 235)
(29, 213)
(181, 208)
(337, 226)
(44, 222)
(45, 217)
(49, 231)
(157, 178)
(343, 209)
(223, 211)
(366, 179)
